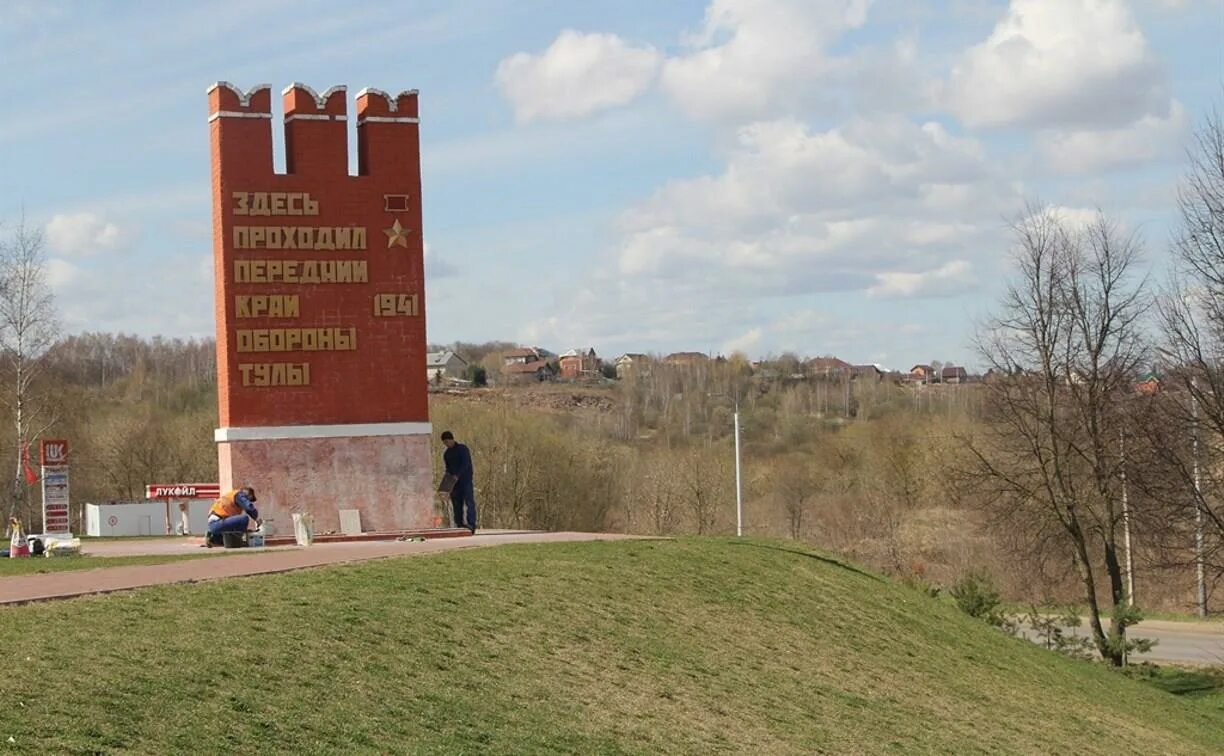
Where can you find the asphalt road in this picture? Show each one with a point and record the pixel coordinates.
(1181, 642)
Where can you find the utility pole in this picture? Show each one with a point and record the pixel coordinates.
(1126, 531)
(1198, 506)
(739, 491)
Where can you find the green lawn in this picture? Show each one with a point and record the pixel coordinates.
(691, 646)
(1192, 682)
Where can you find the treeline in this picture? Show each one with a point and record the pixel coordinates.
(166, 368)
(134, 410)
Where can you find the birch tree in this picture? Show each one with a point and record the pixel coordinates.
(28, 328)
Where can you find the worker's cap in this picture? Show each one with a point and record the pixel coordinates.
(448, 436)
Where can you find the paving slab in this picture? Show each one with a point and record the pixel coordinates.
(243, 562)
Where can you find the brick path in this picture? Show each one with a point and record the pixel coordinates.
(58, 585)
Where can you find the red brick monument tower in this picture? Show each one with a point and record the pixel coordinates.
(320, 303)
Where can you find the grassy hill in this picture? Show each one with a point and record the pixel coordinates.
(692, 646)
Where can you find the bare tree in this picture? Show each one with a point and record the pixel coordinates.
(707, 484)
(1068, 338)
(28, 328)
(796, 485)
(1192, 316)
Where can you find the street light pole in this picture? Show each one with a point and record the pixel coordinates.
(739, 490)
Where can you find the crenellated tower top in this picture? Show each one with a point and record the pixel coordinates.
(316, 129)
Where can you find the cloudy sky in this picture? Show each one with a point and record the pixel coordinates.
(823, 176)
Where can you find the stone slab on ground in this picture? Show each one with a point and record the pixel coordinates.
(59, 585)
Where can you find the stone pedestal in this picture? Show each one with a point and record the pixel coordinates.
(389, 477)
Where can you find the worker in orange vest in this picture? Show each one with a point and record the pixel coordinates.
(232, 512)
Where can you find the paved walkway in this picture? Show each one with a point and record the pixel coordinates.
(178, 545)
(58, 585)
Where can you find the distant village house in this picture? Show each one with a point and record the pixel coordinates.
(631, 364)
(828, 368)
(1150, 384)
(441, 365)
(686, 358)
(527, 364)
(953, 374)
(580, 363)
(868, 372)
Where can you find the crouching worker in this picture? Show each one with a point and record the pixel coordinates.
(232, 513)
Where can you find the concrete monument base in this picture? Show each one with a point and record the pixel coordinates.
(384, 470)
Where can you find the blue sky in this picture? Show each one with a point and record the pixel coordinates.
(823, 176)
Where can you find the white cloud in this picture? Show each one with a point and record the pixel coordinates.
(746, 343)
(1094, 151)
(796, 209)
(85, 294)
(803, 322)
(751, 56)
(85, 234)
(1074, 217)
(780, 172)
(744, 257)
(16, 14)
(950, 278)
(1070, 63)
(579, 74)
(62, 273)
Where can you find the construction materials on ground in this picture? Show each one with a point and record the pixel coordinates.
(350, 521)
(61, 546)
(303, 528)
(18, 545)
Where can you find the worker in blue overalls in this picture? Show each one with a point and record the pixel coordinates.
(233, 512)
(458, 461)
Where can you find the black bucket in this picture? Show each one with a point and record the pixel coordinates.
(234, 539)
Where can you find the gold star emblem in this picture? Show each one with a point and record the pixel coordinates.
(397, 234)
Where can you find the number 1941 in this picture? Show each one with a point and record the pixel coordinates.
(396, 305)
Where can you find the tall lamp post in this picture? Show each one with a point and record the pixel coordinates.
(739, 489)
